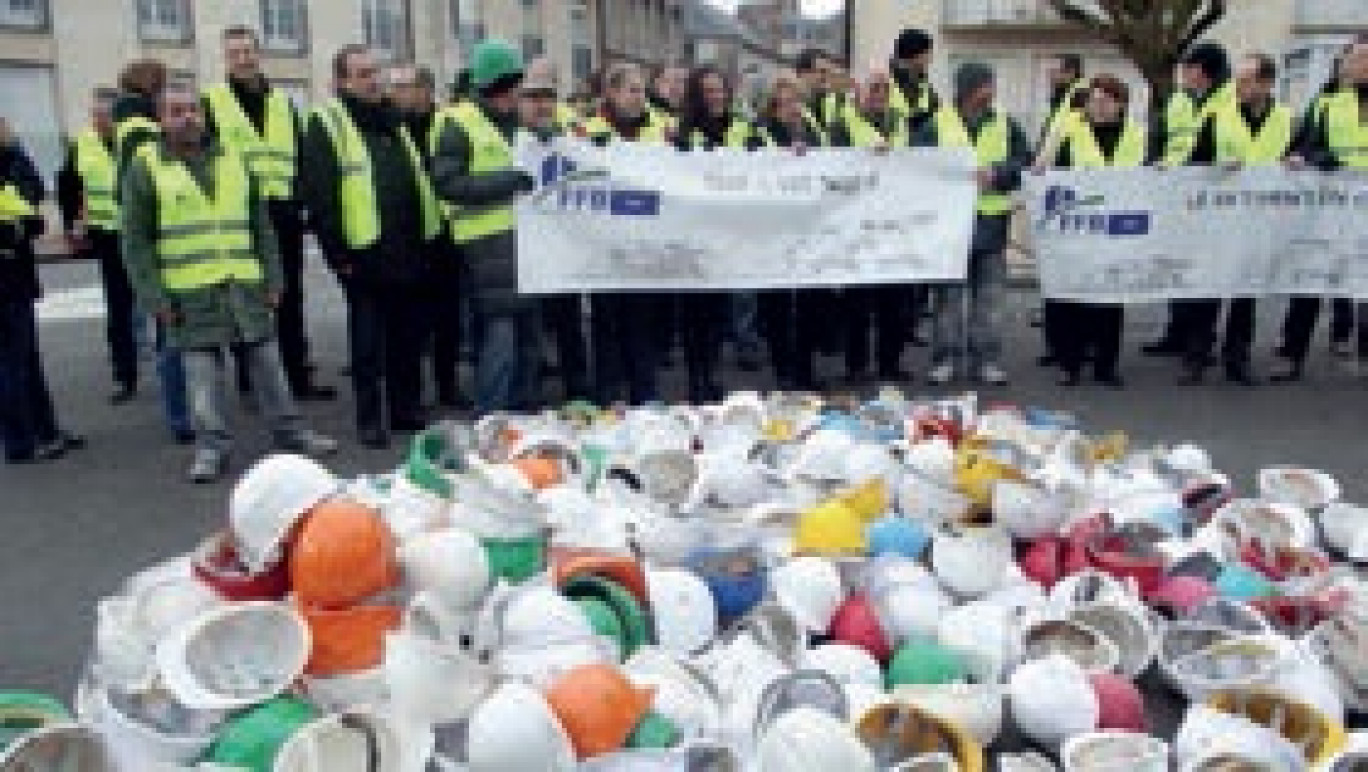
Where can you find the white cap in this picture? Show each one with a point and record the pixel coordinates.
(514, 731)
(269, 499)
(683, 609)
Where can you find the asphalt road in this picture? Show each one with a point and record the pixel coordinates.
(70, 531)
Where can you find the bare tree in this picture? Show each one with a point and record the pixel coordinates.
(1153, 34)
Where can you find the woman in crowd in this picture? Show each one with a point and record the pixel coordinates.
(1105, 138)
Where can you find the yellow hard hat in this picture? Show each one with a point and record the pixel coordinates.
(867, 500)
(977, 470)
(830, 528)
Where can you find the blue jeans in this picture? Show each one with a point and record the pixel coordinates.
(171, 372)
(27, 419)
(507, 354)
(204, 368)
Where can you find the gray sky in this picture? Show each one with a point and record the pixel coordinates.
(810, 7)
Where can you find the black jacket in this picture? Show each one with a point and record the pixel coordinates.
(18, 270)
(400, 257)
(1316, 147)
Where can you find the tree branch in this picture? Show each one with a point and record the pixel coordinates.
(1214, 12)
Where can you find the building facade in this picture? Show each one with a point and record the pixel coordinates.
(54, 52)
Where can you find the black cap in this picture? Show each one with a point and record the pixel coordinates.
(911, 43)
(1212, 58)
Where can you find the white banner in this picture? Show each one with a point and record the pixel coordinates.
(1143, 235)
(634, 217)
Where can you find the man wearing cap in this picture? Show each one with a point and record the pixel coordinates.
(376, 217)
(1002, 152)
(476, 174)
(912, 94)
(202, 256)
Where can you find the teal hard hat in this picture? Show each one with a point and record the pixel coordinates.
(925, 663)
(493, 60)
(23, 712)
(653, 731)
(251, 740)
(516, 559)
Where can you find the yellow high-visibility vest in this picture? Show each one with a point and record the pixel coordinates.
(95, 165)
(819, 124)
(360, 210)
(909, 106)
(1064, 116)
(204, 236)
(1086, 153)
(1237, 141)
(566, 117)
(863, 133)
(489, 152)
(1185, 120)
(1346, 127)
(127, 127)
(653, 132)
(14, 206)
(737, 135)
(992, 147)
(271, 154)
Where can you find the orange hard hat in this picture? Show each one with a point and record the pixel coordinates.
(598, 707)
(570, 562)
(344, 553)
(348, 640)
(541, 472)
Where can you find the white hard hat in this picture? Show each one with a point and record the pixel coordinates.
(537, 614)
(354, 741)
(410, 510)
(269, 499)
(433, 681)
(868, 461)
(155, 604)
(235, 655)
(57, 747)
(1027, 511)
(908, 601)
(1305, 488)
(451, 564)
(1052, 699)
(846, 663)
(810, 589)
(1346, 530)
(682, 693)
(972, 560)
(514, 730)
(983, 634)
(934, 459)
(1096, 751)
(807, 738)
(683, 609)
(144, 730)
(729, 480)
(822, 456)
(976, 707)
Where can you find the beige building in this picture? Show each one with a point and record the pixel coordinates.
(1019, 36)
(54, 52)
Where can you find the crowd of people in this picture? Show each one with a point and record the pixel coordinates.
(196, 203)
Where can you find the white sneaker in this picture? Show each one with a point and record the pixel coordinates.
(993, 375)
(207, 467)
(308, 443)
(941, 374)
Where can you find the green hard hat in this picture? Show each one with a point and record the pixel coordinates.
(516, 559)
(494, 59)
(251, 740)
(23, 712)
(636, 629)
(604, 620)
(925, 663)
(653, 731)
(430, 458)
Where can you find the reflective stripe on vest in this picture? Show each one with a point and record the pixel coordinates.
(204, 238)
(991, 148)
(1086, 153)
(360, 211)
(1236, 140)
(817, 126)
(1346, 128)
(13, 206)
(270, 154)
(651, 133)
(863, 133)
(489, 152)
(95, 165)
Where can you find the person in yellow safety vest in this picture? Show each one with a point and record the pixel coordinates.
(1102, 137)
(1340, 141)
(135, 124)
(261, 124)
(476, 175)
(1202, 85)
(1299, 325)
(709, 121)
(201, 254)
(29, 430)
(871, 122)
(90, 216)
(1257, 132)
(817, 72)
(543, 71)
(373, 209)
(625, 326)
(968, 336)
(1068, 92)
(912, 94)
(666, 93)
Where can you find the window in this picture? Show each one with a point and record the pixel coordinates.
(581, 62)
(533, 46)
(579, 24)
(386, 27)
(23, 14)
(164, 21)
(284, 25)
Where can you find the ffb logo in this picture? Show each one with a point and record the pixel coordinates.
(591, 190)
(1067, 212)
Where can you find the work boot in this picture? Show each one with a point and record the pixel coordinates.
(125, 394)
(1238, 371)
(941, 374)
(208, 466)
(307, 443)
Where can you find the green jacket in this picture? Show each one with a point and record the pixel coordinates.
(233, 312)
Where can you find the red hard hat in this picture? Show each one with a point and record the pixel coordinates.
(217, 564)
(1182, 593)
(855, 623)
(1042, 561)
(1122, 707)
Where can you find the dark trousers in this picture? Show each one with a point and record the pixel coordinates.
(291, 325)
(787, 321)
(626, 347)
(120, 307)
(564, 319)
(1299, 326)
(445, 298)
(1175, 333)
(1077, 331)
(386, 327)
(1200, 320)
(1053, 318)
(882, 308)
(27, 418)
(701, 318)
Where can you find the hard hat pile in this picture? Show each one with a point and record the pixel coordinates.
(768, 584)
